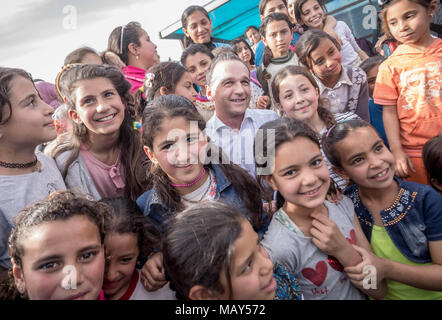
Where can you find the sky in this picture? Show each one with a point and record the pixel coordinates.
(36, 35)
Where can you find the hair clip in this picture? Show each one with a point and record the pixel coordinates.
(142, 88)
(149, 79)
(121, 39)
(137, 126)
(330, 130)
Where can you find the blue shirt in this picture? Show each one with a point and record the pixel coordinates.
(411, 221)
(376, 119)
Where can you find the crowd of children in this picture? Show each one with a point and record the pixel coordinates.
(279, 166)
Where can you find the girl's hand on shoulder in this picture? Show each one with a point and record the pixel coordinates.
(370, 264)
(327, 236)
(270, 208)
(263, 102)
(403, 164)
(334, 197)
(297, 28)
(332, 33)
(152, 273)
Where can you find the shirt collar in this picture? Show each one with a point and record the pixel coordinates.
(343, 79)
(218, 123)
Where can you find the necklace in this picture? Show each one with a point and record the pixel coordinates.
(191, 183)
(204, 194)
(18, 165)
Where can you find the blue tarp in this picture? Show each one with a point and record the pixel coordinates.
(231, 17)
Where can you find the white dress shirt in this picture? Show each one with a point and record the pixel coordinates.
(238, 144)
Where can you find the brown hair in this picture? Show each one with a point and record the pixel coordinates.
(199, 245)
(126, 217)
(165, 74)
(173, 106)
(324, 114)
(337, 133)
(133, 159)
(263, 4)
(432, 156)
(236, 42)
(425, 3)
(78, 54)
(118, 43)
(309, 42)
(6, 76)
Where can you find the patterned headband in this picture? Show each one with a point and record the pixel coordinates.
(63, 70)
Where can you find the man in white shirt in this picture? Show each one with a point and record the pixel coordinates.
(234, 125)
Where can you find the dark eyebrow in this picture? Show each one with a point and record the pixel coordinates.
(91, 247)
(28, 97)
(295, 166)
(44, 260)
(360, 153)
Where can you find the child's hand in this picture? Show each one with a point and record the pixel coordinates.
(356, 273)
(297, 28)
(334, 197)
(152, 273)
(270, 208)
(327, 236)
(403, 164)
(263, 102)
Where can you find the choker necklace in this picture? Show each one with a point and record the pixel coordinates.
(192, 183)
(18, 165)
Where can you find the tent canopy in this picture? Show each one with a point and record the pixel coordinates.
(230, 18)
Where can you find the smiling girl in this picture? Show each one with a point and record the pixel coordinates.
(56, 248)
(401, 219)
(309, 235)
(197, 28)
(187, 169)
(102, 154)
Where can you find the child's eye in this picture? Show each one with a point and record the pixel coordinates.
(288, 96)
(50, 266)
(126, 260)
(191, 139)
(88, 256)
(88, 101)
(109, 94)
(248, 267)
(357, 160)
(31, 103)
(289, 173)
(317, 162)
(167, 146)
(379, 148)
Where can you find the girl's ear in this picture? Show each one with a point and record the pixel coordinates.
(209, 93)
(150, 154)
(432, 9)
(201, 293)
(186, 33)
(264, 40)
(163, 91)
(19, 280)
(271, 182)
(133, 48)
(74, 116)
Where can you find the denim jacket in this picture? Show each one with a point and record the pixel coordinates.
(411, 221)
(149, 202)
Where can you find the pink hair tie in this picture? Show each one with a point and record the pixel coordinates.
(192, 183)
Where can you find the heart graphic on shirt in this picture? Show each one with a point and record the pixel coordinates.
(317, 276)
(352, 239)
(335, 264)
